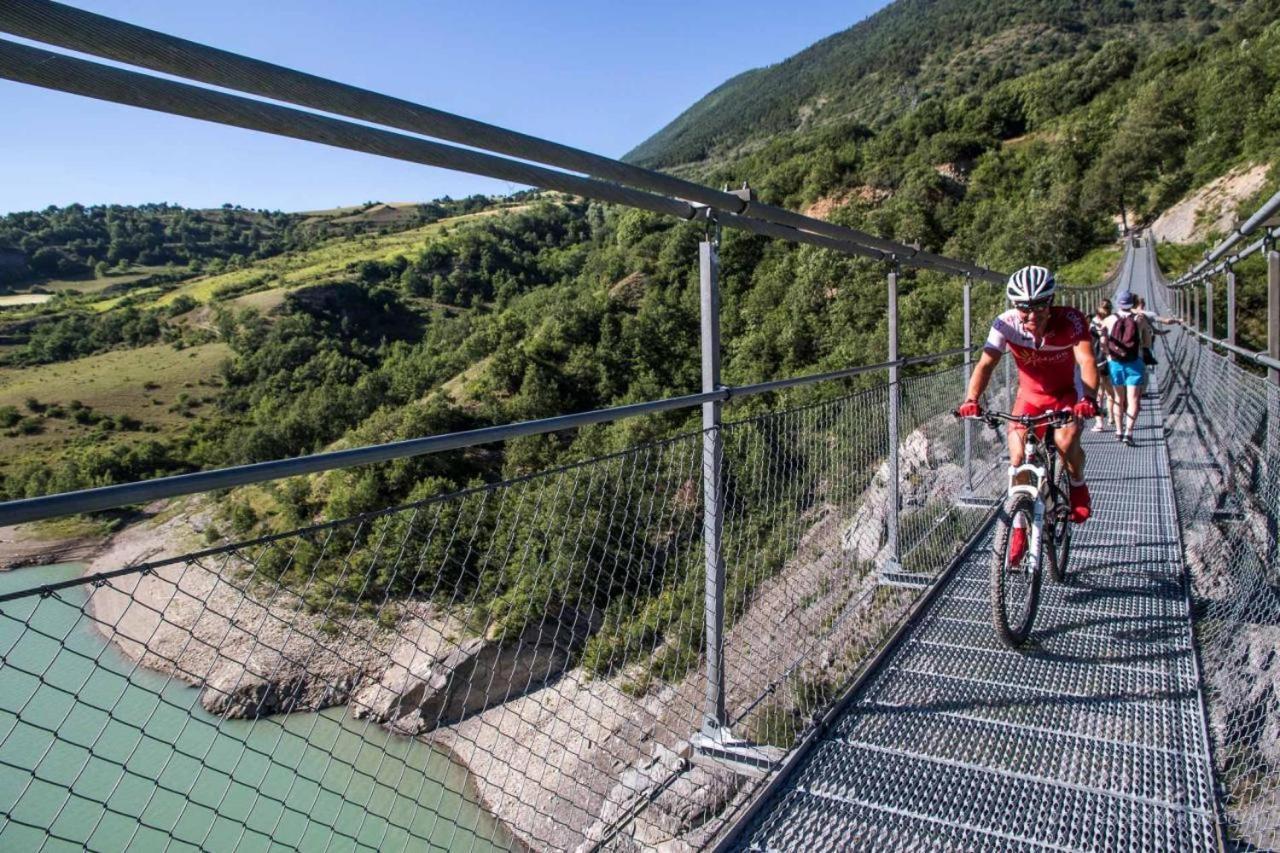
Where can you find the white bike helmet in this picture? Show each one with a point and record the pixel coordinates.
(1030, 284)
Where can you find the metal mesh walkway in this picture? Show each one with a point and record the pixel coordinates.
(1091, 738)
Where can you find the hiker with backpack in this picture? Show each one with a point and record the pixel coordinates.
(1123, 340)
(1149, 323)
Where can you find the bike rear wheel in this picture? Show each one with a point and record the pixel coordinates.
(1015, 588)
(1059, 527)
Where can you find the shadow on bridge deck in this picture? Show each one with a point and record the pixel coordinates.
(1090, 738)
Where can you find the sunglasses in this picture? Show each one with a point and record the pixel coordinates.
(1028, 307)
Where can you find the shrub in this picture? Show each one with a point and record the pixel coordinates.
(243, 518)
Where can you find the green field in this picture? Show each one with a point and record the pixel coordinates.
(14, 300)
(87, 283)
(321, 264)
(142, 383)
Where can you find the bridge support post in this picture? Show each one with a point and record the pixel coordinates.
(967, 497)
(712, 495)
(1208, 306)
(893, 563)
(1231, 311)
(1273, 350)
(1273, 311)
(968, 359)
(1195, 309)
(715, 742)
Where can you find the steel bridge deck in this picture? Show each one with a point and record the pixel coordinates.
(1091, 738)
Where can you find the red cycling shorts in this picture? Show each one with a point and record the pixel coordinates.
(1038, 404)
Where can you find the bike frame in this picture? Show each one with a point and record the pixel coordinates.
(1034, 450)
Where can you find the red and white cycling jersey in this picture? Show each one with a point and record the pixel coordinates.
(1047, 368)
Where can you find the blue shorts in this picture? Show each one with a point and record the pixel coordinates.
(1127, 373)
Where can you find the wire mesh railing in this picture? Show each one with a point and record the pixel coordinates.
(517, 664)
(1222, 428)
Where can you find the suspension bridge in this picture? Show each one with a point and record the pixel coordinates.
(769, 633)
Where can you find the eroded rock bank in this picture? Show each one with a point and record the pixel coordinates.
(255, 650)
(253, 654)
(21, 547)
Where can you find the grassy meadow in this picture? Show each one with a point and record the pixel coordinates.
(160, 387)
(325, 263)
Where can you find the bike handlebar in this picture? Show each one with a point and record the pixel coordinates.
(1058, 418)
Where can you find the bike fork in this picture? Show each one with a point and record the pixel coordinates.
(1037, 532)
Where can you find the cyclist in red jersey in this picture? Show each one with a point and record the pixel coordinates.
(1056, 370)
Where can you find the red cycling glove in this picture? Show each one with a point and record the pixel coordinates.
(1085, 409)
(969, 409)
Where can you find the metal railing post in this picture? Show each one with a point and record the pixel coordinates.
(1231, 311)
(712, 496)
(1208, 306)
(1195, 308)
(1273, 311)
(893, 562)
(968, 359)
(1273, 350)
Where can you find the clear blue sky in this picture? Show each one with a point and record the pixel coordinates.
(595, 74)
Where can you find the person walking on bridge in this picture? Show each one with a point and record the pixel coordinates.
(1148, 327)
(1123, 334)
(1053, 350)
(1096, 335)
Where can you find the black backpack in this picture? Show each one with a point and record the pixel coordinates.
(1122, 341)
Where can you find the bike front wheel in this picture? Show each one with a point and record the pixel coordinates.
(1015, 586)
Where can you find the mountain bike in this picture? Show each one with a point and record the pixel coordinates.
(1040, 505)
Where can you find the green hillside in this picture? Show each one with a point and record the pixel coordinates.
(1010, 165)
(913, 51)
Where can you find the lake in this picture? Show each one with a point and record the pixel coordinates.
(96, 751)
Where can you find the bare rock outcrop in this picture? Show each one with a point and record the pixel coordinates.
(1211, 209)
(425, 636)
(256, 650)
(925, 472)
(1245, 689)
(683, 797)
(473, 675)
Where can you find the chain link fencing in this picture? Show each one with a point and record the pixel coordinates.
(519, 664)
(1222, 428)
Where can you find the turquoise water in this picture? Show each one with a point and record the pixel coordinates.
(97, 752)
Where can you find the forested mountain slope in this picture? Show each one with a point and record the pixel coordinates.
(915, 50)
(1029, 143)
